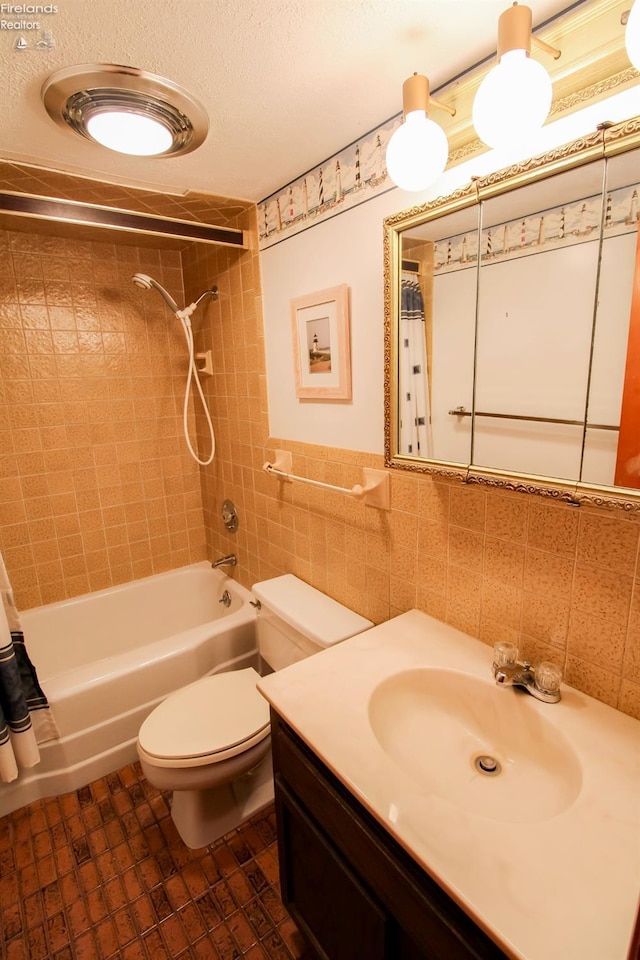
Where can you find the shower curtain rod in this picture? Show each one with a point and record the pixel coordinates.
(462, 412)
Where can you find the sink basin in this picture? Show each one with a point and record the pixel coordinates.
(401, 712)
(486, 750)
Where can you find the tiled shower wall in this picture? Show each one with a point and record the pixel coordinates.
(562, 582)
(96, 487)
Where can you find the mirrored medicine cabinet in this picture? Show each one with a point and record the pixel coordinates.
(512, 326)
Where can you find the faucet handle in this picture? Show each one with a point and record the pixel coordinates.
(548, 677)
(505, 654)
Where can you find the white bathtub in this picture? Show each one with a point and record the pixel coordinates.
(104, 660)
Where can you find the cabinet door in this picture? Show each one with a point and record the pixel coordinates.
(400, 912)
(339, 917)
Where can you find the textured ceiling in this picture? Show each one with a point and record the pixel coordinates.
(286, 83)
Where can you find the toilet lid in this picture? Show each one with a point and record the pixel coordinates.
(219, 714)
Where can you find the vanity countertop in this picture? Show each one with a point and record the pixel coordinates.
(558, 885)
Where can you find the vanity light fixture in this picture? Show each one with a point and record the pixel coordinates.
(125, 109)
(632, 34)
(514, 99)
(417, 152)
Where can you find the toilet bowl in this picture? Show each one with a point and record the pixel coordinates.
(210, 741)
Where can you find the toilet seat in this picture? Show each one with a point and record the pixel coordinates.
(208, 721)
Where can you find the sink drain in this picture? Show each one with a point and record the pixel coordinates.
(488, 766)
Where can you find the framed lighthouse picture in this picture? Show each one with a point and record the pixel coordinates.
(321, 344)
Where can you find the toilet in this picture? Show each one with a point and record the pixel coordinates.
(209, 742)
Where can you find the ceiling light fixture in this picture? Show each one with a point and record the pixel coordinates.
(126, 109)
(514, 99)
(418, 150)
(632, 34)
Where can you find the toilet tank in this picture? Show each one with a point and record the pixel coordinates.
(295, 621)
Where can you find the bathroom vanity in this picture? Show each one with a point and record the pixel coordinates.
(351, 889)
(393, 846)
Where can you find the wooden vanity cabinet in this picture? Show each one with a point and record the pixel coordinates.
(351, 889)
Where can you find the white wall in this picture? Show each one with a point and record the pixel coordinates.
(533, 359)
(348, 249)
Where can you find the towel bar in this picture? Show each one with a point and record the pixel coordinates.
(373, 491)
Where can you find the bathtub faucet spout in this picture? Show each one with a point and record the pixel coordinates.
(229, 561)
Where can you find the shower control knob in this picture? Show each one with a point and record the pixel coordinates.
(230, 516)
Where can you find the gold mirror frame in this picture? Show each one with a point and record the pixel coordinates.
(605, 142)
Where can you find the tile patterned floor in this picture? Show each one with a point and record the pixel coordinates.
(101, 873)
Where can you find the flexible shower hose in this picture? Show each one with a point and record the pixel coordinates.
(192, 377)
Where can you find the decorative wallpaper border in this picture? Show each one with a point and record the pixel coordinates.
(560, 226)
(348, 178)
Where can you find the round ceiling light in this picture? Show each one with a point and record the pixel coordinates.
(126, 109)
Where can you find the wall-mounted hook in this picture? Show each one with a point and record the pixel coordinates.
(205, 363)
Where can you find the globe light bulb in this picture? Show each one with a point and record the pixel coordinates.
(513, 101)
(632, 35)
(417, 152)
(128, 132)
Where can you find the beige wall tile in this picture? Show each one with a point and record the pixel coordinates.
(464, 586)
(535, 650)
(631, 658)
(433, 540)
(599, 641)
(548, 574)
(545, 619)
(553, 529)
(494, 631)
(433, 604)
(467, 507)
(95, 416)
(608, 542)
(597, 682)
(502, 603)
(404, 493)
(402, 595)
(465, 548)
(504, 561)
(378, 551)
(433, 499)
(629, 699)
(72, 418)
(463, 614)
(602, 593)
(431, 575)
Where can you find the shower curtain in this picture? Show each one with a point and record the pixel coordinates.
(25, 716)
(414, 405)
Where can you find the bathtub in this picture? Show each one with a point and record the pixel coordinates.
(106, 659)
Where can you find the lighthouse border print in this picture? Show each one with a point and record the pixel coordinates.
(348, 178)
(358, 173)
(561, 226)
(321, 344)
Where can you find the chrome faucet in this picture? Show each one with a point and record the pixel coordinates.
(541, 681)
(229, 561)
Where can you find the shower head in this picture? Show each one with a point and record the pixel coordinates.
(146, 283)
(142, 280)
